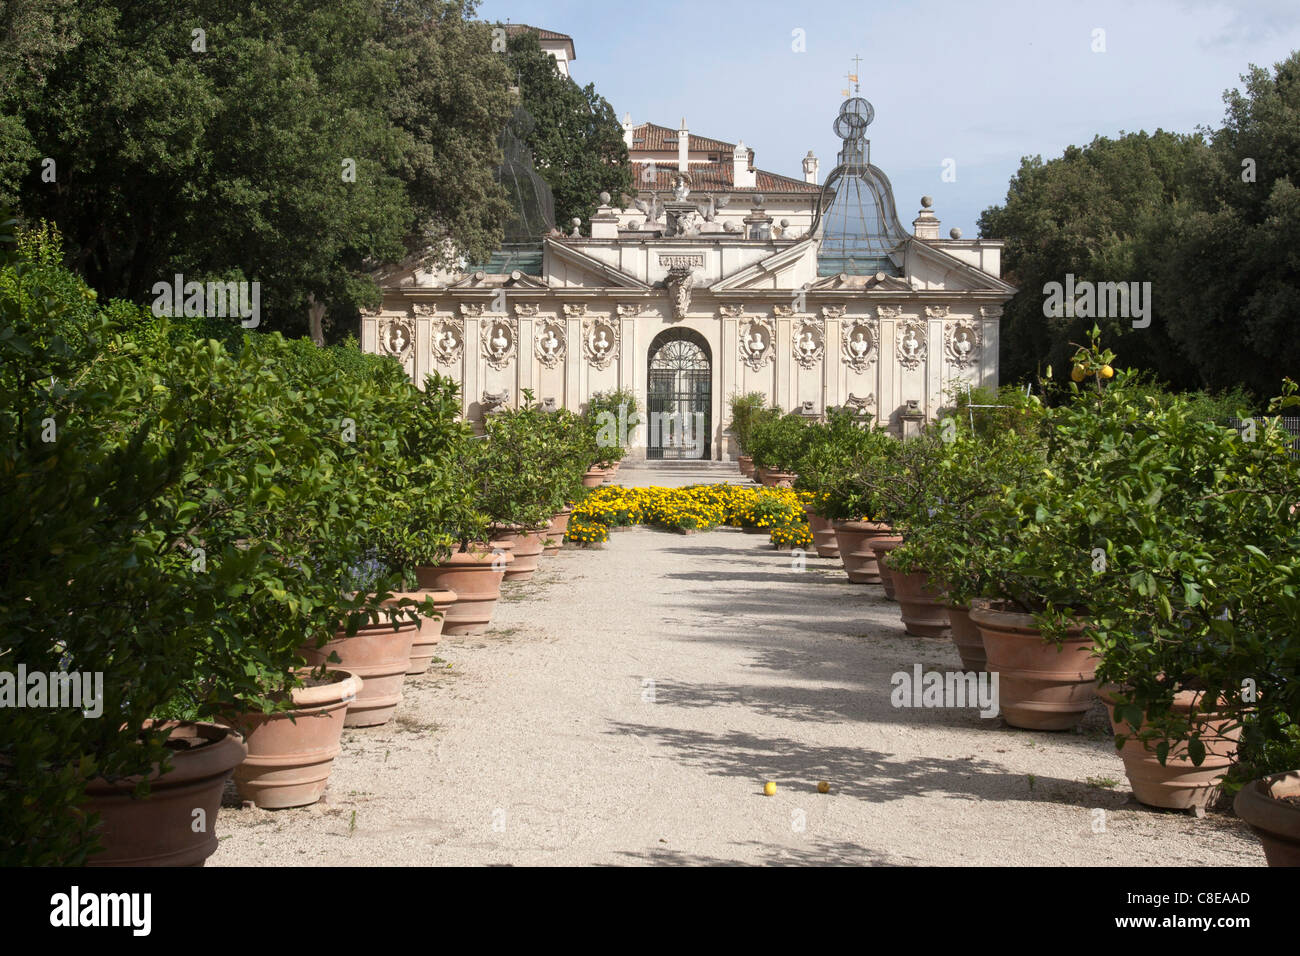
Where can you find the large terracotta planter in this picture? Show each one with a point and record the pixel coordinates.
(553, 536)
(291, 753)
(475, 575)
(1040, 686)
(854, 540)
(162, 828)
(781, 479)
(922, 605)
(881, 547)
(823, 536)
(970, 645)
(380, 655)
(1264, 804)
(1179, 784)
(746, 464)
(526, 546)
(425, 645)
(593, 477)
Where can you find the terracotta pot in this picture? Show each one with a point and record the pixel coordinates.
(1276, 820)
(1040, 686)
(823, 536)
(475, 575)
(159, 830)
(425, 646)
(922, 605)
(526, 546)
(380, 655)
(881, 547)
(1179, 784)
(781, 479)
(746, 464)
(593, 477)
(970, 645)
(553, 537)
(291, 753)
(760, 475)
(854, 540)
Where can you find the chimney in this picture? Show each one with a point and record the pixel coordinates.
(926, 224)
(683, 147)
(627, 129)
(810, 167)
(742, 176)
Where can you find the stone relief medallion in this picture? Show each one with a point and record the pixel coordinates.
(397, 338)
(962, 343)
(858, 343)
(551, 343)
(500, 337)
(578, 308)
(448, 340)
(834, 311)
(937, 311)
(809, 342)
(600, 341)
(757, 341)
(911, 343)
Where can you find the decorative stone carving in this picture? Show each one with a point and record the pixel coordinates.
(397, 338)
(809, 342)
(911, 343)
(990, 312)
(423, 309)
(962, 343)
(680, 281)
(523, 308)
(549, 405)
(757, 341)
(937, 311)
(783, 311)
(834, 311)
(551, 343)
(889, 311)
(576, 308)
(500, 338)
(858, 344)
(631, 309)
(471, 308)
(680, 261)
(600, 341)
(860, 404)
(448, 340)
(495, 402)
(732, 311)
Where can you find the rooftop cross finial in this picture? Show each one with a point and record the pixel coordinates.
(853, 77)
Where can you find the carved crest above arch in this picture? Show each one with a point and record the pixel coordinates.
(551, 343)
(809, 341)
(500, 338)
(858, 343)
(600, 341)
(912, 343)
(757, 341)
(962, 343)
(447, 340)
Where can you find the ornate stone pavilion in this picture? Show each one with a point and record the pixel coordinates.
(687, 298)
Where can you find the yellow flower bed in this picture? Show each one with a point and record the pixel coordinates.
(693, 508)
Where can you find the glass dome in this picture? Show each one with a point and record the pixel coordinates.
(856, 218)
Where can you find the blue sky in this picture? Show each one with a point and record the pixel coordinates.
(979, 83)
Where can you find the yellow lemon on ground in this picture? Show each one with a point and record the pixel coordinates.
(1107, 372)
(823, 787)
(1078, 373)
(769, 788)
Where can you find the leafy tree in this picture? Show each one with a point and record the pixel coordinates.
(577, 141)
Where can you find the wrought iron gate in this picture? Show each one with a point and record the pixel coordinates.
(679, 397)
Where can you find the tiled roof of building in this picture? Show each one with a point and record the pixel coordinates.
(514, 28)
(649, 137)
(654, 138)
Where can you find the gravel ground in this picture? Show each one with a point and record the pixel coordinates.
(630, 703)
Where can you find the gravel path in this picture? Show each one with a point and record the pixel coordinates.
(630, 703)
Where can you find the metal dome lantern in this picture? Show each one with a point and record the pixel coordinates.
(856, 218)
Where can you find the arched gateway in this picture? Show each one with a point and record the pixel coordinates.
(679, 396)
